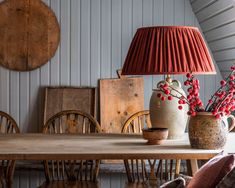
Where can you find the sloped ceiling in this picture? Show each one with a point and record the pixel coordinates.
(217, 21)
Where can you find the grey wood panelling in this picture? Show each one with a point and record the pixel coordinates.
(217, 20)
(95, 37)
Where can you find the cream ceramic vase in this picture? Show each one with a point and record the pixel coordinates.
(165, 114)
(207, 132)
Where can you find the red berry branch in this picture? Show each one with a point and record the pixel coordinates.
(221, 103)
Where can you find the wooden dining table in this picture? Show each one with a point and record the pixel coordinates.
(101, 146)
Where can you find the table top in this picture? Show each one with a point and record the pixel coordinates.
(99, 146)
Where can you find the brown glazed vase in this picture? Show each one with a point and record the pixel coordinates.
(207, 132)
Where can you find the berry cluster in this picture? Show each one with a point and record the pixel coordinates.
(192, 99)
(223, 101)
(220, 104)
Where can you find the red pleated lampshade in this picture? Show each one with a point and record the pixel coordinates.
(168, 50)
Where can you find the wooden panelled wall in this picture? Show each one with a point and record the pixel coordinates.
(95, 36)
(217, 20)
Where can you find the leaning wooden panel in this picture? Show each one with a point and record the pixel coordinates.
(58, 99)
(119, 99)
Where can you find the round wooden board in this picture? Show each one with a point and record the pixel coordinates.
(29, 34)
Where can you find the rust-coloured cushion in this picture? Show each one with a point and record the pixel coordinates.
(210, 174)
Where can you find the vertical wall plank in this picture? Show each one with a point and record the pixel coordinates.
(85, 42)
(14, 95)
(179, 20)
(55, 61)
(116, 37)
(137, 15)
(65, 43)
(95, 41)
(4, 83)
(34, 83)
(147, 21)
(75, 42)
(157, 20)
(105, 39)
(168, 11)
(126, 27)
(24, 102)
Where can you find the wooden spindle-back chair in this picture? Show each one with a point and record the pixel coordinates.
(7, 126)
(71, 121)
(136, 169)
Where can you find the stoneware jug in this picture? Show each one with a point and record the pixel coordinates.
(165, 114)
(207, 132)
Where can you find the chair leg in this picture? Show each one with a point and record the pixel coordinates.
(177, 167)
(97, 168)
(128, 172)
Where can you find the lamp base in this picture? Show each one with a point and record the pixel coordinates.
(165, 114)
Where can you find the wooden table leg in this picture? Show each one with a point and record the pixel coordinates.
(192, 166)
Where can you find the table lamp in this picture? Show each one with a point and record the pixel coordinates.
(167, 50)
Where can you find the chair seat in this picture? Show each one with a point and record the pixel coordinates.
(69, 184)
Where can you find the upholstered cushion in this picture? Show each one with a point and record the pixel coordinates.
(176, 183)
(228, 181)
(210, 174)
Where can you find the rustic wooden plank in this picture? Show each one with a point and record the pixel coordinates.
(29, 34)
(107, 146)
(119, 99)
(58, 99)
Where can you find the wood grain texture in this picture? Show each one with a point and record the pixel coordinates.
(29, 34)
(99, 146)
(119, 98)
(58, 99)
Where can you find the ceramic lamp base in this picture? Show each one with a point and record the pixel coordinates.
(165, 114)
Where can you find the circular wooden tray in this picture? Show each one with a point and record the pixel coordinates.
(29, 34)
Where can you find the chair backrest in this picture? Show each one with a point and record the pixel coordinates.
(8, 124)
(136, 122)
(135, 168)
(71, 121)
